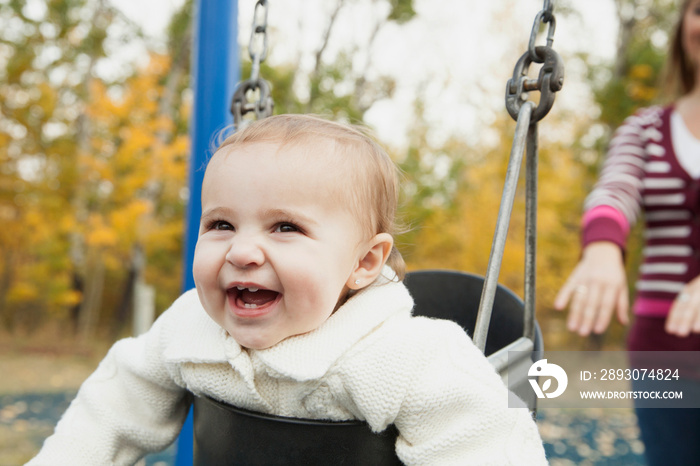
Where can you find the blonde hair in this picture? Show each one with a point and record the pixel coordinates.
(373, 176)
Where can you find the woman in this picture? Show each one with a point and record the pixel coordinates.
(653, 164)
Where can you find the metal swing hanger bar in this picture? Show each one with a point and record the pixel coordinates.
(527, 115)
(257, 48)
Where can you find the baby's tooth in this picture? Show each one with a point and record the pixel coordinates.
(253, 290)
(241, 287)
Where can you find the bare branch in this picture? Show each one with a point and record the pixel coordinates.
(326, 36)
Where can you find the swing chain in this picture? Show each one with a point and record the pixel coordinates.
(551, 76)
(257, 48)
(546, 15)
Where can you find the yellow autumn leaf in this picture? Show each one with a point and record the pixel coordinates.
(22, 291)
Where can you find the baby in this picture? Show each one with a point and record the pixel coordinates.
(299, 310)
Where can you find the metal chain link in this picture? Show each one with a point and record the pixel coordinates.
(542, 17)
(551, 76)
(257, 48)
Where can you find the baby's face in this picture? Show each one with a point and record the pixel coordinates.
(276, 244)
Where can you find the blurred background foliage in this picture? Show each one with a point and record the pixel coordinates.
(93, 164)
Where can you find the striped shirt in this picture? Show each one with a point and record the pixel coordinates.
(642, 174)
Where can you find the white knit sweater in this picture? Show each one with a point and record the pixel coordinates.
(370, 360)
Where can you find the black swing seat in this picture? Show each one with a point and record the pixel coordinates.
(226, 435)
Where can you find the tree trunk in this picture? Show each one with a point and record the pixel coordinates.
(5, 282)
(626, 21)
(89, 313)
(318, 56)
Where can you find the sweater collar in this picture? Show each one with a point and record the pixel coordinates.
(309, 356)
(197, 338)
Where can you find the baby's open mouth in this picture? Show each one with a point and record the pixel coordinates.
(251, 298)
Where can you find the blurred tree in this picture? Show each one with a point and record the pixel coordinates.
(92, 173)
(337, 86)
(49, 50)
(174, 79)
(460, 235)
(137, 161)
(632, 80)
(430, 178)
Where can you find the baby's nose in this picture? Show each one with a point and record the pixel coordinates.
(245, 251)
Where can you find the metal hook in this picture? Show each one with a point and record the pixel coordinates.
(549, 81)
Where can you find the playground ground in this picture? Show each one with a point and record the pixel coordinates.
(38, 382)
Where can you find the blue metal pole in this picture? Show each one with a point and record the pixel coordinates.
(215, 72)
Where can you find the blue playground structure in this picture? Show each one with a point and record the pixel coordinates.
(215, 72)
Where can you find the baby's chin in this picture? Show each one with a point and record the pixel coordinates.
(260, 343)
(255, 342)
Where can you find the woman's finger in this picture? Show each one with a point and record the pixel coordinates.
(623, 306)
(673, 318)
(564, 296)
(592, 296)
(695, 328)
(608, 302)
(577, 305)
(681, 318)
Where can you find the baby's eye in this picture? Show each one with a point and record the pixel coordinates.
(287, 228)
(221, 225)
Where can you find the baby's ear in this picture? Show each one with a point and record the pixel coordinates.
(370, 265)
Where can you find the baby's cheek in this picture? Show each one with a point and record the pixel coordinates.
(201, 265)
(308, 297)
(311, 280)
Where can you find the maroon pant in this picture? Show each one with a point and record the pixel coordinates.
(648, 334)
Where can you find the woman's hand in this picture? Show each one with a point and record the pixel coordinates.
(596, 288)
(684, 316)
